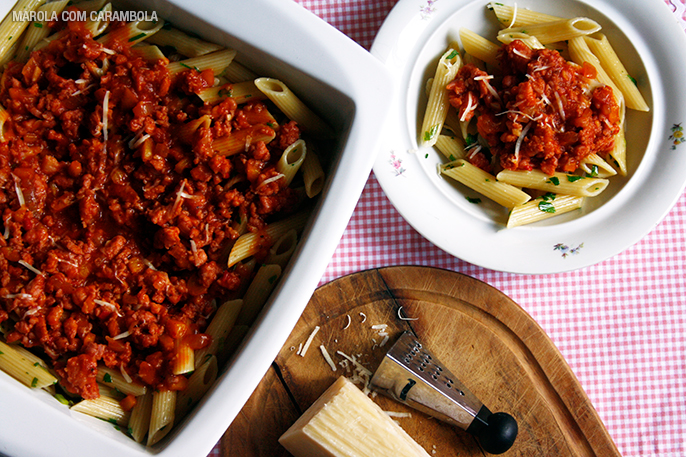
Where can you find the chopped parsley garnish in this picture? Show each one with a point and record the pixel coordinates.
(60, 398)
(573, 178)
(137, 37)
(426, 156)
(107, 378)
(471, 139)
(38, 25)
(272, 279)
(633, 80)
(428, 136)
(473, 200)
(451, 157)
(546, 207)
(34, 382)
(554, 181)
(452, 55)
(594, 171)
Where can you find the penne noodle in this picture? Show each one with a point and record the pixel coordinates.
(216, 61)
(223, 321)
(595, 166)
(236, 73)
(198, 384)
(131, 33)
(293, 107)
(603, 50)
(618, 152)
(184, 357)
(451, 148)
(552, 32)
(512, 16)
(187, 130)
(38, 30)
(558, 183)
(291, 160)
(151, 53)
(529, 40)
(162, 415)
(542, 208)
(24, 366)
(250, 243)
(282, 251)
(240, 140)
(579, 52)
(116, 380)
(240, 92)
(183, 43)
(313, 174)
(105, 408)
(11, 30)
(479, 47)
(437, 106)
(259, 290)
(139, 421)
(485, 183)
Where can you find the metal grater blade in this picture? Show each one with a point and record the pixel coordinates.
(410, 374)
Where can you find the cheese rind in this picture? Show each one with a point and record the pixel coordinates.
(344, 422)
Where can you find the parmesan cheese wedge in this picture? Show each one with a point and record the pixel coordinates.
(344, 422)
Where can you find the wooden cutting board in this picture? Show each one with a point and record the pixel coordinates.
(490, 343)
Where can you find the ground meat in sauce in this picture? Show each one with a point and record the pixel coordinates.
(544, 103)
(116, 230)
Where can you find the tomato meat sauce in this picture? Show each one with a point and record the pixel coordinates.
(116, 217)
(547, 114)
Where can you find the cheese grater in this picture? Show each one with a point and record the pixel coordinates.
(410, 374)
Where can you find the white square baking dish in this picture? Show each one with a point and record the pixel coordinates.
(346, 86)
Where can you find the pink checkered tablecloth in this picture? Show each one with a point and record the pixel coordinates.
(620, 324)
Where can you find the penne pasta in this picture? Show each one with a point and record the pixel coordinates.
(543, 208)
(139, 421)
(250, 243)
(105, 408)
(216, 61)
(451, 148)
(223, 321)
(513, 16)
(116, 380)
(38, 30)
(183, 360)
(279, 93)
(595, 166)
(241, 92)
(484, 183)
(25, 368)
(313, 174)
(11, 30)
(438, 104)
(529, 40)
(149, 52)
(198, 384)
(282, 250)
(131, 33)
(240, 140)
(236, 73)
(291, 160)
(183, 43)
(259, 290)
(558, 183)
(603, 50)
(479, 47)
(161, 415)
(552, 32)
